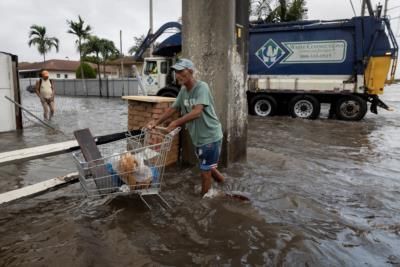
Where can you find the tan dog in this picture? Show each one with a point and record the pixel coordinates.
(126, 166)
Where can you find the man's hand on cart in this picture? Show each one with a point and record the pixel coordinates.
(172, 126)
(151, 125)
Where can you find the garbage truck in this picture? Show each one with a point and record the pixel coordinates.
(293, 67)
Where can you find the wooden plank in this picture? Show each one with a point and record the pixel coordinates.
(93, 156)
(57, 148)
(150, 99)
(35, 152)
(17, 93)
(38, 188)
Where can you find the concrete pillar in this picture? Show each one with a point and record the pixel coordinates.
(215, 39)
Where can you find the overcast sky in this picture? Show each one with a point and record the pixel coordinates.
(107, 18)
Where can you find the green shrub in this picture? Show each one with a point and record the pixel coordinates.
(88, 71)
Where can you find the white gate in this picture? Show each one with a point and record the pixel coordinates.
(7, 109)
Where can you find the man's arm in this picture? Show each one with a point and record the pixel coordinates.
(192, 115)
(170, 111)
(37, 89)
(53, 89)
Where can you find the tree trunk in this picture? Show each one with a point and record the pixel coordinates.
(104, 75)
(82, 75)
(99, 73)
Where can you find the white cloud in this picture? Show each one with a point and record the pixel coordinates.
(107, 18)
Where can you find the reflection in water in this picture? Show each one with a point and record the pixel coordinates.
(322, 193)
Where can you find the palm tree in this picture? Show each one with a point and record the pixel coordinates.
(285, 10)
(43, 42)
(108, 51)
(81, 31)
(94, 46)
(260, 9)
(137, 41)
(103, 50)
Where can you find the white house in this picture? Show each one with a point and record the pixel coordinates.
(59, 69)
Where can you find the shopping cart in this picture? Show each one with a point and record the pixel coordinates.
(134, 164)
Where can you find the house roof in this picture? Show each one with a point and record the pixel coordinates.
(51, 65)
(57, 65)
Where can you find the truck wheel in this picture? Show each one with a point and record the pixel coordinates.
(305, 107)
(351, 108)
(263, 105)
(168, 92)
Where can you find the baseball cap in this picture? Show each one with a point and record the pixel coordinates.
(182, 64)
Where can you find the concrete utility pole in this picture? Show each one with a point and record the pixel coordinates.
(215, 39)
(122, 55)
(151, 25)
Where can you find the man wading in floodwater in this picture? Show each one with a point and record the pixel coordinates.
(45, 91)
(196, 106)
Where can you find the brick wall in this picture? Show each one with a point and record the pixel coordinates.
(142, 110)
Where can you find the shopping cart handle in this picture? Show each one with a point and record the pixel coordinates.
(161, 128)
(165, 129)
(174, 131)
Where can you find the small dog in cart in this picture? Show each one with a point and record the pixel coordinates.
(134, 172)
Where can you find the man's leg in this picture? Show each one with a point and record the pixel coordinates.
(205, 181)
(217, 175)
(52, 108)
(45, 109)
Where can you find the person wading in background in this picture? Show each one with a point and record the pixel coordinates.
(45, 90)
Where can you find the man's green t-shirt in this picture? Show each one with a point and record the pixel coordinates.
(207, 128)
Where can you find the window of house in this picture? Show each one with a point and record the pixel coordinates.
(58, 75)
(65, 76)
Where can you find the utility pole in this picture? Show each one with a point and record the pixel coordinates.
(122, 61)
(220, 58)
(151, 25)
(120, 51)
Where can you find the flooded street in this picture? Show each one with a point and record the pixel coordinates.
(323, 193)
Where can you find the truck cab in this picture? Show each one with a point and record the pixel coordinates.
(158, 77)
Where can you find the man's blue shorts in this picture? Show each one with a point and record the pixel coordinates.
(208, 155)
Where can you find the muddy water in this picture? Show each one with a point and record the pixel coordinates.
(324, 193)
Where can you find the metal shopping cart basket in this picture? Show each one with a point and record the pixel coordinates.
(134, 164)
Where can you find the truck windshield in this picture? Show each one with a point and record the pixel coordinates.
(151, 67)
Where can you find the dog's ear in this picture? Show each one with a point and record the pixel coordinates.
(136, 162)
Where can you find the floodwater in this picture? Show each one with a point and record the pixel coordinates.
(323, 193)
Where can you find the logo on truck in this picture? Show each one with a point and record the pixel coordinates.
(270, 53)
(324, 51)
(150, 80)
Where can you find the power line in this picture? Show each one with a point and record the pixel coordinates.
(393, 8)
(352, 6)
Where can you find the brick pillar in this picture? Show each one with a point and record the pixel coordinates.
(142, 109)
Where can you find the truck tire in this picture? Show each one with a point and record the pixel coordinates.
(305, 107)
(263, 105)
(351, 108)
(168, 92)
